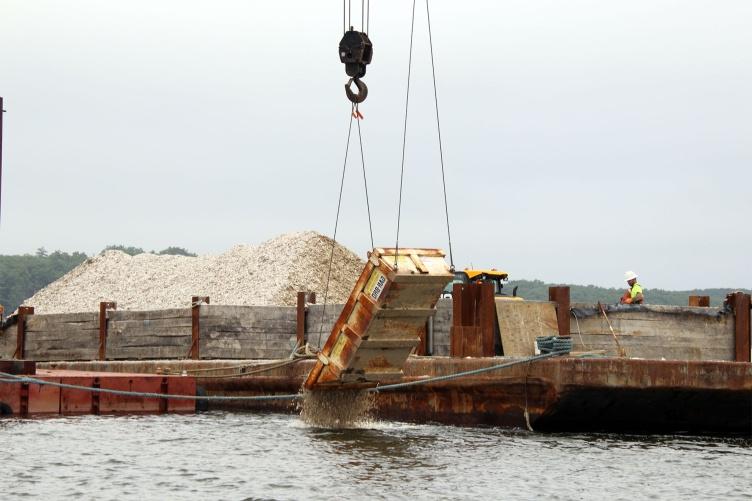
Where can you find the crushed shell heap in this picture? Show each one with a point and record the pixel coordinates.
(268, 274)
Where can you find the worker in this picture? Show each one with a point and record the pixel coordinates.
(634, 293)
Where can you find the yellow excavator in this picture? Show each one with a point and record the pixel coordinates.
(493, 276)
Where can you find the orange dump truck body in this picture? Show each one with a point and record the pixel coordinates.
(381, 322)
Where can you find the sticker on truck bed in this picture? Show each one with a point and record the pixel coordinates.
(375, 285)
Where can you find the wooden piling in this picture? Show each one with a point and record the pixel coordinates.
(560, 295)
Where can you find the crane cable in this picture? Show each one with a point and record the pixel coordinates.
(404, 134)
(354, 114)
(365, 15)
(438, 129)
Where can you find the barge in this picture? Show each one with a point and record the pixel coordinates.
(686, 369)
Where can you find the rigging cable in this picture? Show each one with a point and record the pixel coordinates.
(404, 135)
(354, 114)
(438, 128)
(336, 223)
(365, 181)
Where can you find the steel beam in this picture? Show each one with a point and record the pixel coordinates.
(740, 303)
(702, 301)
(196, 302)
(560, 295)
(103, 307)
(23, 312)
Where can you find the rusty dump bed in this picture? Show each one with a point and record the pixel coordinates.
(381, 322)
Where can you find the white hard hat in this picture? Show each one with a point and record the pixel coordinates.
(629, 275)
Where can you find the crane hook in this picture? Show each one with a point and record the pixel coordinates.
(361, 95)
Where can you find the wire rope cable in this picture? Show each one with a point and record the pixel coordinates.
(336, 224)
(365, 181)
(404, 134)
(12, 378)
(29, 380)
(438, 129)
(462, 374)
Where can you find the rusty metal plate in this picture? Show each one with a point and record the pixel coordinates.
(180, 385)
(76, 401)
(120, 404)
(44, 399)
(381, 322)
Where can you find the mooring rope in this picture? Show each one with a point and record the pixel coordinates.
(41, 382)
(292, 396)
(472, 372)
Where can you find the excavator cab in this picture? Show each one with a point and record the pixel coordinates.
(493, 276)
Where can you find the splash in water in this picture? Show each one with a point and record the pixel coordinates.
(337, 408)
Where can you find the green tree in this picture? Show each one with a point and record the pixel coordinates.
(22, 276)
(131, 251)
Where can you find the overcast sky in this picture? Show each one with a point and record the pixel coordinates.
(582, 138)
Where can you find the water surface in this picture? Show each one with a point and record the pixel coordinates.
(220, 455)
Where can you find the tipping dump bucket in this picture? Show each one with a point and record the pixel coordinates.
(381, 322)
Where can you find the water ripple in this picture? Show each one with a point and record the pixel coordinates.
(268, 456)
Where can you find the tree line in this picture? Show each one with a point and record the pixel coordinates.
(536, 290)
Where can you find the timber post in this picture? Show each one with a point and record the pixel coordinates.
(702, 301)
(560, 295)
(196, 302)
(103, 307)
(740, 304)
(23, 312)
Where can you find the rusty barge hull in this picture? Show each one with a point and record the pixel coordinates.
(562, 394)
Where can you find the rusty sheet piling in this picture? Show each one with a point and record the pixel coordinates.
(699, 301)
(473, 331)
(740, 304)
(560, 296)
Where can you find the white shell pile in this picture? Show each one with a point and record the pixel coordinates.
(269, 274)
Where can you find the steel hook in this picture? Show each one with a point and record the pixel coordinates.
(362, 93)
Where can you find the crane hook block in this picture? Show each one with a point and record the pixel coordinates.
(355, 51)
(362, 90)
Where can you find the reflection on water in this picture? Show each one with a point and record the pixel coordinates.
(268, 456)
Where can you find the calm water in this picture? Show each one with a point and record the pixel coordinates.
(249, 456)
